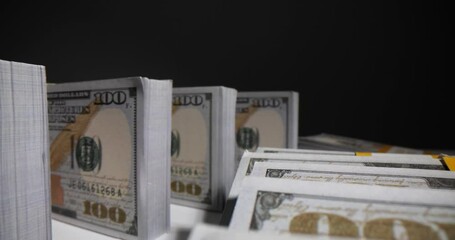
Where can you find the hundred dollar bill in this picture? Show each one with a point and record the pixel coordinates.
(202, 149)
(392, 177)
(213, 232)
(249, 159)
(346, 210)
(109, 171)
(24, 153)
(326, 141)
(268, 119)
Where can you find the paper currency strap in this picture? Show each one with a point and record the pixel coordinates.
(363, 154)
(369, 154)
(449, 161)
(385, 148)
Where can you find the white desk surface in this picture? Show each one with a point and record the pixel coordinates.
(183, 219)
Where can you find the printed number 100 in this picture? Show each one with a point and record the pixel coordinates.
(100, 211)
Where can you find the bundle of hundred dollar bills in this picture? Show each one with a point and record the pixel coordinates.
(202, 149)
(109, 155)
(24, 154)
(343, 194)
(266, 119)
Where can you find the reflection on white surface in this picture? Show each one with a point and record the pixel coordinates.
(183, 219)
(63, 231)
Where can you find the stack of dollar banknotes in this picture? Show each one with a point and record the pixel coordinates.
(112, 156)
(24, 166)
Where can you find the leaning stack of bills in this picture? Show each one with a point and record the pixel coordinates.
(266, 119)
(343, 194)
(109, 154)
(202, 149)
(24, 152)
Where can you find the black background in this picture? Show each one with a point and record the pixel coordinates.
(372, 70)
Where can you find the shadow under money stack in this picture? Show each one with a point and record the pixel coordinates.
(202, 146)
(110, 161)
(24, 154)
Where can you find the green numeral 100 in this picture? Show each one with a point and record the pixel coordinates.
(100, 211)
(190, 188)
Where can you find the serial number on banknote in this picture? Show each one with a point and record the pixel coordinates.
(186, 171)
(97, 188)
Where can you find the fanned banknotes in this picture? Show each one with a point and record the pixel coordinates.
(266, 119)
(392, 177)
(326, 141)
(202, 146)
(448, 161)
(24, 153)
(110, 144)
(349, 153)
(249, 159)
(346, 210)
(302, 151)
